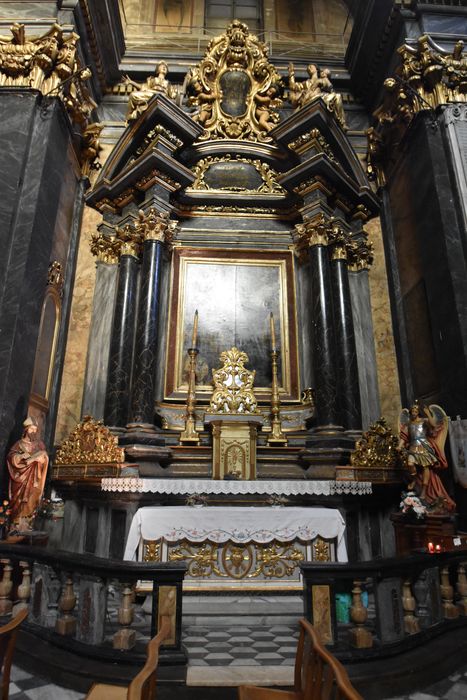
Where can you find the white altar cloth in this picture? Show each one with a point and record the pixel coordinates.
(290, 487)
(238, 524)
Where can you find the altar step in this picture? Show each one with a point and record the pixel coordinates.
(230, 610)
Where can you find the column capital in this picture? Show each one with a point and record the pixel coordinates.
(105, 248)
(155, 225)
(129, 241)
(312, 232)
(338, 241)
(360, 255)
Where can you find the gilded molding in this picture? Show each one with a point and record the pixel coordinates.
(267, 174)
(312, 140)
(236, 65)
(157, 132)
(50, 64)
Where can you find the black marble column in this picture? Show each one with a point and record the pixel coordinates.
(117, 395)
(346, 355)
(144, 373)
(323, 341)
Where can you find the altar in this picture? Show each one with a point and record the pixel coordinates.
(243, 548)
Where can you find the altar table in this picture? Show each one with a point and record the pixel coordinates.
(241, 525)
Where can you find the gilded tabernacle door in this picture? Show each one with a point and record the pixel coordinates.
(234, 296)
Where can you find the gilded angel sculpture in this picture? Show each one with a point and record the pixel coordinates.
(423, 438)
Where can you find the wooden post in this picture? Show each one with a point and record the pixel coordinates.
(360, 637)
(6, 584)
(66, 623)
(125, 638)
(450, 610)
(411, 624)
(24, 588)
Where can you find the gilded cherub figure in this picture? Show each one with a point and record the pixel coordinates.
(203, 98)
(423, 438)
(157, 83)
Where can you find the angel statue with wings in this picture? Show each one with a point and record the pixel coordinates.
(423, 439)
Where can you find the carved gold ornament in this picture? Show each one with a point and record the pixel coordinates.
(151, 550)
(426, 78)
(235, 89)
(141, 94)
(238, 561)
(233, 385)
(50, 64)
(321, 550)
(89, 443)
(377, 448)
(55, 278)
(358, 252)
(91, 148)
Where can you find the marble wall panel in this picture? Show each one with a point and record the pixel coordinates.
(99, 340)
(386, 363)
(74, 370)
(33, 200)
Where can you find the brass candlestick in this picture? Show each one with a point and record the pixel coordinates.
(276, 436)
(190, 433)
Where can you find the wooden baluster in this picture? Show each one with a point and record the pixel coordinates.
(24, 588)
(66, 624)
(411, 624)
(125, 638)
(6, 584)
(450, 610)
(360, 637)
(462, 588)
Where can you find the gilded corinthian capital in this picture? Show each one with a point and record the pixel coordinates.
(155, 225)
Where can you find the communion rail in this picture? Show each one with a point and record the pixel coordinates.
(86, 604)
(384, 607)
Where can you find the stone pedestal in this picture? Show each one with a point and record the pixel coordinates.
(234, 444)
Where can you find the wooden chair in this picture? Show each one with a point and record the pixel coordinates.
(7, 646)
(318, 675)
(143, 686)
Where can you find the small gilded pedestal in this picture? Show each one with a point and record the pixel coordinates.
(234, 417)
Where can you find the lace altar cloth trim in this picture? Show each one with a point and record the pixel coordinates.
(207, 486)
(238, 524)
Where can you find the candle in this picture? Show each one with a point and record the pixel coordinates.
(438, 548)
(195, 330)
(431, 547)
(273, 332)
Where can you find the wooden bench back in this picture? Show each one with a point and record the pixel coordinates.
(7, 646)
(143, 686)
(318, 674)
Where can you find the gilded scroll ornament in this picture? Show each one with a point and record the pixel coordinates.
(142, 94)
(91, 148)
(50, 64)
(233, 385)
(89, 443)
(235, 89)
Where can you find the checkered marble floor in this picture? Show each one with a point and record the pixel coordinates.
(24, 686)
(452, 688)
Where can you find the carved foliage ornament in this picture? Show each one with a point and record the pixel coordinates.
(233, 385)
(50, 64)
(358, 252)
(235, 88)
(89, 443)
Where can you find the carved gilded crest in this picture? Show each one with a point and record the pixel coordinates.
(235, 88)
(233, 385)
(89, 443)
(377, 448)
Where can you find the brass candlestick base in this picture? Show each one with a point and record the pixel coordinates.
(276, 436)
(190, 434)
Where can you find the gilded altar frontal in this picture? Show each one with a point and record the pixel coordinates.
(233, 366)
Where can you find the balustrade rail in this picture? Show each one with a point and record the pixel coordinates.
(88, 604)
(382, 607)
